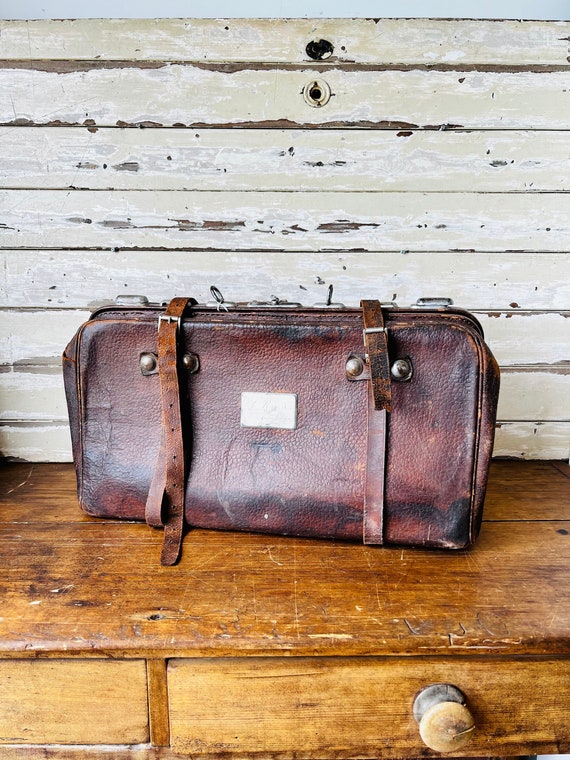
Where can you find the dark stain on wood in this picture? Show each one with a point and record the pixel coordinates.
(289, 124)
(334, 63)
(322, 163)
(140, 124)
(404, 128)
(127, 166)
(117, 224)
(441, 127)
(344, 225)
(72, 66)
(185, 225)
(560, 368)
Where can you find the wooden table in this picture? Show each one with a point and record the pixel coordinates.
(275, 647)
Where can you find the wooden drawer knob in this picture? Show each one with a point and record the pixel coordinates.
(445, 723)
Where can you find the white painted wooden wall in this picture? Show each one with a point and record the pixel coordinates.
(161, 157)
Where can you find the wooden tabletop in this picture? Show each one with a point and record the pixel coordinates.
(90, 587)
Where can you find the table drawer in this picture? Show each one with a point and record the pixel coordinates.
(73, 702)
(318, 707)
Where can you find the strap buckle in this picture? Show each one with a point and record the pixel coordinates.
(372, 331)
(169, 318)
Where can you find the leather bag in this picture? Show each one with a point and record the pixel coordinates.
(373, 424)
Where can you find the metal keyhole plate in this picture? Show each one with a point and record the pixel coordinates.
(317, 93)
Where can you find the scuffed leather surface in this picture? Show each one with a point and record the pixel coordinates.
(309, 481)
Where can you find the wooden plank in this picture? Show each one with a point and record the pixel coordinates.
(531, 498)
(33, 393)
(285, 221)
(93, 752)
(36, 337)
(158, 703)
(97, 752)
(33, 441)
(191, 96)
(514, 337)
(300, 160)
(493, 282)
(527, 393)
(83, 589)
(73, 702)
(366, 41)
(535, 393)
(36, 493)
(532, 440)
(255, 706)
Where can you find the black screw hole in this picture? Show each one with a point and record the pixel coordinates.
(316, 93)
(319, 49)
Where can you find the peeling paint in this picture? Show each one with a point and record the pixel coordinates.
(127, 166)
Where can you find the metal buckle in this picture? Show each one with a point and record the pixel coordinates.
(170, 319)
(372, 331)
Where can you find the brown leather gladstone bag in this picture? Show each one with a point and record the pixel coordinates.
(372, 424)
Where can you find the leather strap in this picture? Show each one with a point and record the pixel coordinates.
(376, 344)
(155, 499)
(168, 483)
(373, 518)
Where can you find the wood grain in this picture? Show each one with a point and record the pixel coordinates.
(95, 588)
(110, 752)
(530, 498)
(249, 706)
(425, 42)
(73, 702)
(159, 719)
(238, 604)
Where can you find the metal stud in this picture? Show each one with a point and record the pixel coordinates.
(354, 366)
(402, 370)
(149, 363)
(191, 362)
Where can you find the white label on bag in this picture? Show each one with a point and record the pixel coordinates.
(269, 410)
